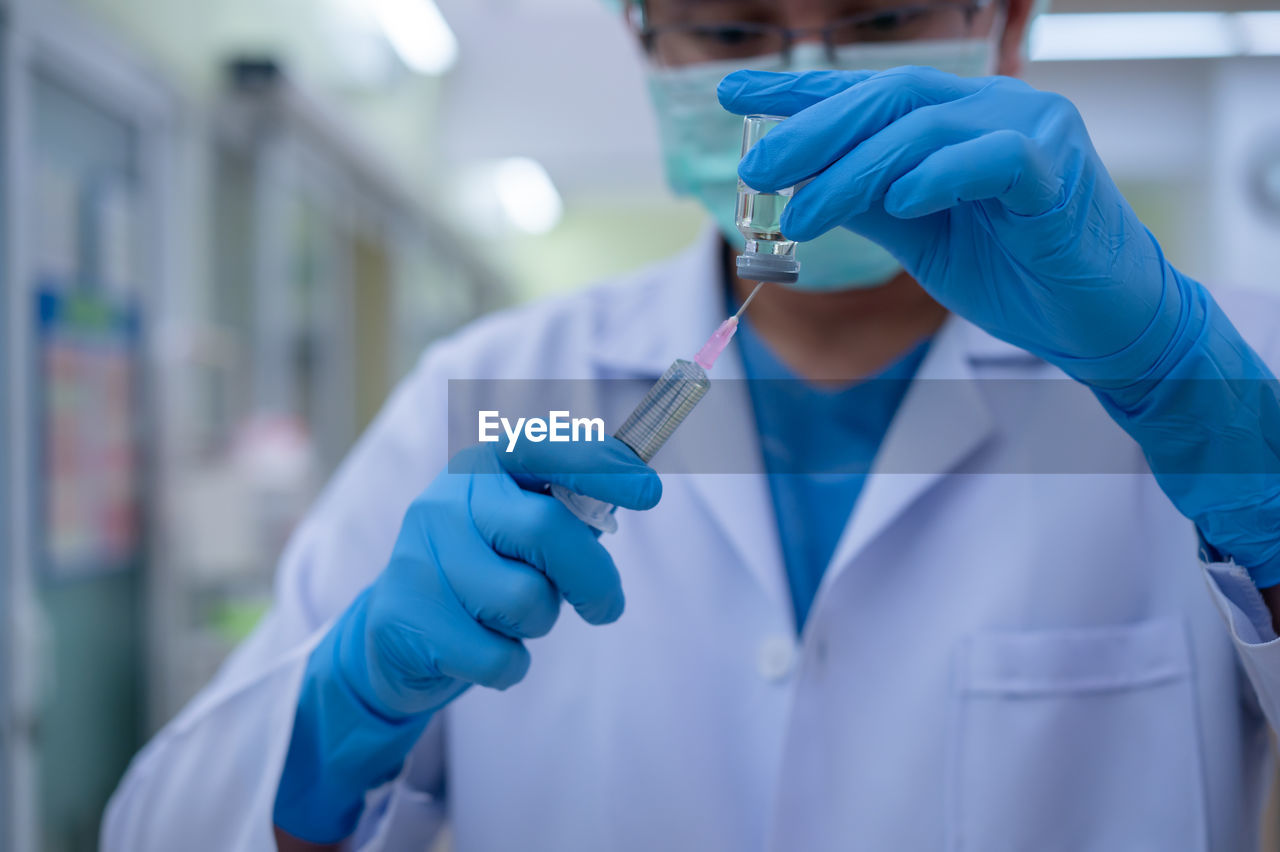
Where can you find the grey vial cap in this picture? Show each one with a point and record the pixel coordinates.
(754, 266)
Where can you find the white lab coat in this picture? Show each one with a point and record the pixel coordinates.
(993, 661)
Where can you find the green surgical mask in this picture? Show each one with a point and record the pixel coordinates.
(701, 143)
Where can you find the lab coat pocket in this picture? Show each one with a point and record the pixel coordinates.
(1079, 740)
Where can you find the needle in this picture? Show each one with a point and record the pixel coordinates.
(710, 351)
(748, 299)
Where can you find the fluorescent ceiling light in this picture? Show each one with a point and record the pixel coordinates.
(418, 32)
(1261, 32)
(528, 198)
(1155, 35)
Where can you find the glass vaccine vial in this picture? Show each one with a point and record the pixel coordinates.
(768, 255)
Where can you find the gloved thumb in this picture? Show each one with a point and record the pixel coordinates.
(607, 470)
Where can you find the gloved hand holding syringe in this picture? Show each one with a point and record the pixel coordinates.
(662, 410)
(768, 256)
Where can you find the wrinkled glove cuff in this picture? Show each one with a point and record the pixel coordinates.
(1208, 421)
(1128, 375)
(340, 747)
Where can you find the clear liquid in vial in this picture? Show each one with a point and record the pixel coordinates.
(759, 215)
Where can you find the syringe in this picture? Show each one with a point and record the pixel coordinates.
(658, 415)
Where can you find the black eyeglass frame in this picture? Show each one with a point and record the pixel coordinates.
(790, 35)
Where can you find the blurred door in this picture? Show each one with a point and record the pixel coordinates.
(373, 333)
(7, 710)
(90, 548)
(85, 141)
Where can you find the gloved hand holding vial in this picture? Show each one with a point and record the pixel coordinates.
(768, 256)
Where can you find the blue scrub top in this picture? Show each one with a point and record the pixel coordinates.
(818, 445)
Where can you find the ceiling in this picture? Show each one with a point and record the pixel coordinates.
(561, 81)
(556, 80)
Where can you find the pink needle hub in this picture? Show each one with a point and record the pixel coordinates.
(719, 341)
(716, 344)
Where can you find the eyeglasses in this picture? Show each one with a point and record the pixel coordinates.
(685, 43)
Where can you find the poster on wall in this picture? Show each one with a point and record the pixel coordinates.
(87, 346)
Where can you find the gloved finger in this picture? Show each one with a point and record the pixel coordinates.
(864, 175)
(1004, 165)
(904, 239)
(607, 470)
(440, 557)
(815, 138)
(475, 654)
(537, 529)
(505, 595)
(782, 93)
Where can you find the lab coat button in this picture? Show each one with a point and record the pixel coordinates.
(776, 658)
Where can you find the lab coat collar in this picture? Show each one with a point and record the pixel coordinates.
(665, 312)
(980, 347)
(915, 454)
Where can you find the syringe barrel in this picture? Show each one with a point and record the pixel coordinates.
(645, 430)
(664, 408)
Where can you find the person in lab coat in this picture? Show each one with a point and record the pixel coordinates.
(959, 650)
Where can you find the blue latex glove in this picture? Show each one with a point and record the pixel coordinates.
(991, 195)
(481, 563)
